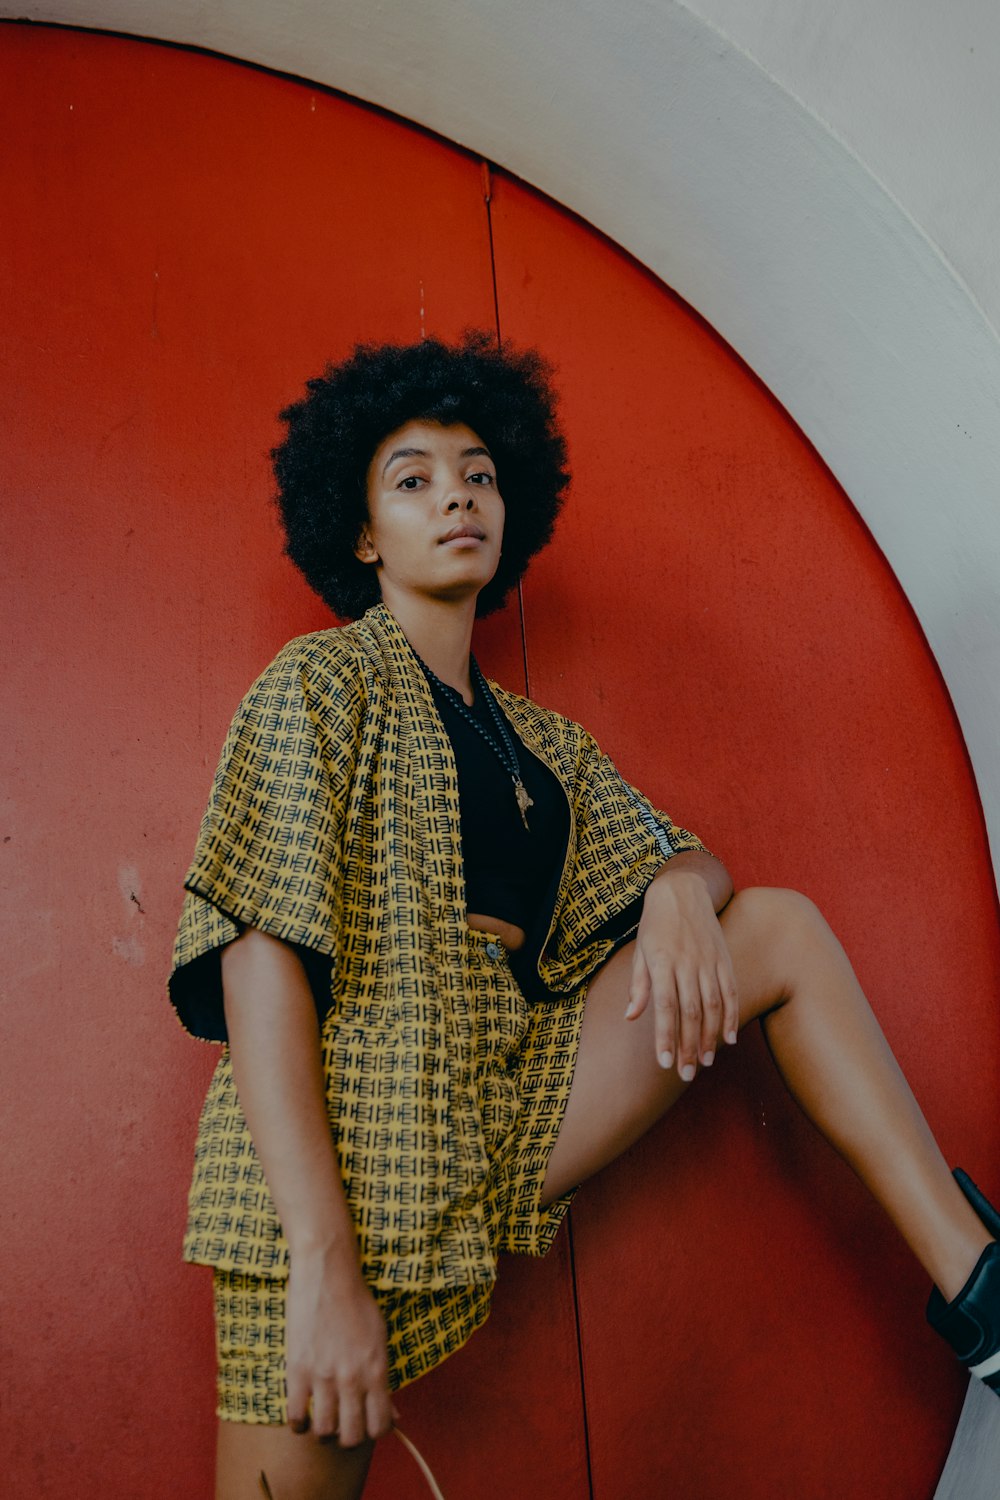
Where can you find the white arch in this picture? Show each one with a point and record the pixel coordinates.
(643, 118)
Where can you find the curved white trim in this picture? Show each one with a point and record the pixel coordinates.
(655, 128)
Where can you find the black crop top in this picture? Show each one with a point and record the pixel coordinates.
(510, 872)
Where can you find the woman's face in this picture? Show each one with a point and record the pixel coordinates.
(435, 516)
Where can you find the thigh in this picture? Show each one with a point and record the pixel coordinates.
(295, 1465)
(619, 1089)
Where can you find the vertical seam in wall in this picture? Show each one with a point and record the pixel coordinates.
(579, 1356)
(486, 170)
(487, 178)
(524, 639)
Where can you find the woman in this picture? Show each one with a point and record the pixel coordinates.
(460, 963)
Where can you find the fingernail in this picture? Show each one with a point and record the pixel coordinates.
(687, 1072)
(666, 1059)
(708, 1059)
(731, 1038)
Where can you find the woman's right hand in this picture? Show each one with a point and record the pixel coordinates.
(336, 1354)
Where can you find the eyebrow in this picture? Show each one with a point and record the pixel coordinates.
(422, 453)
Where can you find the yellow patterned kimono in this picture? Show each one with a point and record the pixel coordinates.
(334, 825)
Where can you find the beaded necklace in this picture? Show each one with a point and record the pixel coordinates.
(504, 748)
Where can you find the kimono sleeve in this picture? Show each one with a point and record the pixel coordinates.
(610, 810)
(270, 848)
(621, 842)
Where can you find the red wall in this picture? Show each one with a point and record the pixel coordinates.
(187, 240)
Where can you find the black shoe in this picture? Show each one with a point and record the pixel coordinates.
(971, 1321)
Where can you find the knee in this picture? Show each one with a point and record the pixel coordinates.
(779, 916)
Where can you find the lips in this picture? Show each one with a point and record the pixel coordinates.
(465, 529)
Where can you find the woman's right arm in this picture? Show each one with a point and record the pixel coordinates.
(335, 1336)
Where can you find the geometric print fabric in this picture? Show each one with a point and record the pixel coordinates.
(523, 1068)
(334, 824)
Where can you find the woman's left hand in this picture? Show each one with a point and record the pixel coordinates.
(682, 966)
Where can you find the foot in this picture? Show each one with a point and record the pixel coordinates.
(970, 1322)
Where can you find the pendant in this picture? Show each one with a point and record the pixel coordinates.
(523, 801)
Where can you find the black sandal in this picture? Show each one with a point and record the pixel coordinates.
(970, 1323)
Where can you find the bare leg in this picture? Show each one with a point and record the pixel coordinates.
(792, 974)
(297, 1466)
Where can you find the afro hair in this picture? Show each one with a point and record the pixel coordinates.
(321, 467)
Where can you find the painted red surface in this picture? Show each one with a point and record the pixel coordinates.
(717, 613)
(187, 240)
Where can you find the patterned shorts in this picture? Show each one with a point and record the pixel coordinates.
(423, 1328)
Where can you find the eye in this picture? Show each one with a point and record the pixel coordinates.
(411, 482)
(481, 476)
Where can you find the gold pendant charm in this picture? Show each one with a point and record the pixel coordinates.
(523, 801)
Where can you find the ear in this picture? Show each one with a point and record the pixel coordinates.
(364, 547)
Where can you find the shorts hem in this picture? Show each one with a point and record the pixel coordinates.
(421, 1332)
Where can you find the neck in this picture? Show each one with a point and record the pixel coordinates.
(440, 632)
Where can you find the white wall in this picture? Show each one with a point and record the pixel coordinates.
(818, 180)
(911, 87)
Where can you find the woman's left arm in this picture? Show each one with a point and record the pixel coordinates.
(681, 963)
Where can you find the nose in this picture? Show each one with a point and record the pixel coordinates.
(457, 497)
